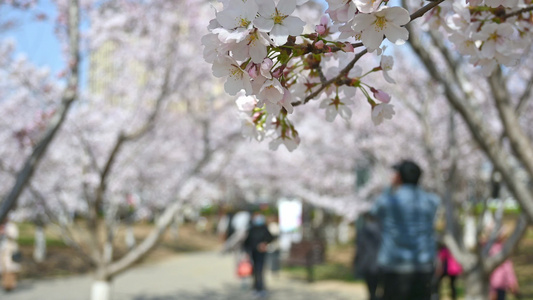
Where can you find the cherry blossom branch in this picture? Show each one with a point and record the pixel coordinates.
(347, 69)
(69, 95)
(419, 13)
(324, 85)
(334, 48)
(517, 13)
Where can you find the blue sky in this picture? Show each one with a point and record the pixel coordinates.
(35, 39)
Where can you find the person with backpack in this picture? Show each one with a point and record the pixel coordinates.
(407, 254)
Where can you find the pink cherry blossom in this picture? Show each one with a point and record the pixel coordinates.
(381, 95)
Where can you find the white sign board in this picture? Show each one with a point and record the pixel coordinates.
(290, 215)
(290, 222)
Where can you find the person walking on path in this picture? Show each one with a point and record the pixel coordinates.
(255, 245)
(408, 248)
(368, 241)
(9, 248)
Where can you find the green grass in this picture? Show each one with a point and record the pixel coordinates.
(50, 242)
(508, 211)
(27, 236)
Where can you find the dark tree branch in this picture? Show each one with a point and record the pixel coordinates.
(344, 72)
(417, 14)
(519, 141)
(517, 13)
(524, 98)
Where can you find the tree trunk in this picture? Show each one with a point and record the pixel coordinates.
(469, 237)
(101, 289)
(178, 220)
(130, 237)
(101, 286)
(343, 232)
(477, 284)
(39, 251)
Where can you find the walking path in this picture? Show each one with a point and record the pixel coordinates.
(195, 276)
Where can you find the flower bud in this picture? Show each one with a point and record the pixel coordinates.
(381, 95)
(347, 47)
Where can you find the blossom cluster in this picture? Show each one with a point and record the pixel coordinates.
(262, 50)
(274, 62)
(489, 32)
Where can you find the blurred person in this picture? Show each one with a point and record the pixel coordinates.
(447, 267)
(503, 278)
(237, 228)
(368, 241)
(407, 254)
(255, 245)
(8, 249)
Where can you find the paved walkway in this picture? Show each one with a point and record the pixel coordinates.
(197, 276)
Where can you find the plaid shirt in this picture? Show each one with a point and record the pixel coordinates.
(407, 215)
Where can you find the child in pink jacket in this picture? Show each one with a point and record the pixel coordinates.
(449, 267)
(503, 278)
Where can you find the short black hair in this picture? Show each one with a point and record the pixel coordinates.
(409, 171)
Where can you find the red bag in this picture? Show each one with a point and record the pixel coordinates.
(244, 269)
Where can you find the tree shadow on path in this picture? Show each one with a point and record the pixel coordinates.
(236, 293)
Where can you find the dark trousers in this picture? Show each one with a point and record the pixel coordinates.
(453, 289)
(258, 259)
(500, 294)
(372, 281)
(407, 286)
